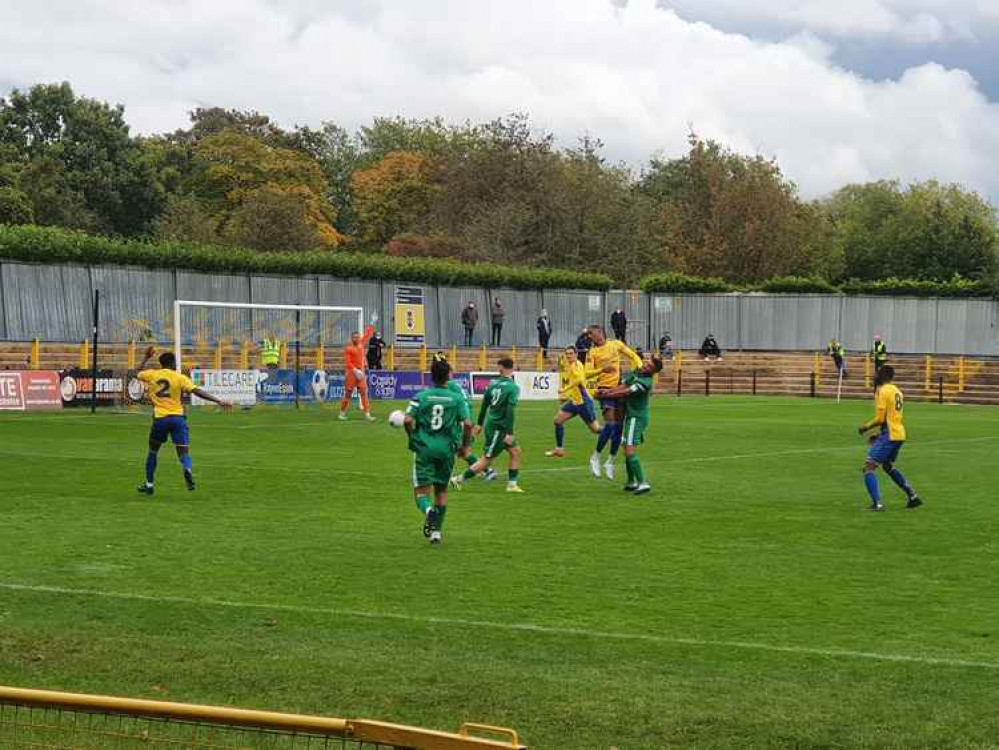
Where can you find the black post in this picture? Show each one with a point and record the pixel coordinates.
(754, 382)
(298, 354)
(940, 389)
(93, 355)
(707, 382)
(811, 383)
(679, 382)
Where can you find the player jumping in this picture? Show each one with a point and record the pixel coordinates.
(635, 391)
(438, 423)
(496, 419)
(166, 386)
(576, 400)
(603, 368)
(885, 447)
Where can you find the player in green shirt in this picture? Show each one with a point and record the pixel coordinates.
(496, 420)
(465, 452)
(438, 424)
(635, 390)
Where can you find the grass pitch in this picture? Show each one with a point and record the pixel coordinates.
(749, 601)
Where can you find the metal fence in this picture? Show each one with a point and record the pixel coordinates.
(52, 302)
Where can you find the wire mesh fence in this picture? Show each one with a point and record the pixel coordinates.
(44, 728)
(47, 720)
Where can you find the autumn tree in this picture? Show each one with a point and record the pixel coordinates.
(732, 216)
(392, 196)
(233, 170)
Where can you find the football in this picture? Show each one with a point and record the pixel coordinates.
(396, 418)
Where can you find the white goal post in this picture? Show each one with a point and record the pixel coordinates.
(180, 304)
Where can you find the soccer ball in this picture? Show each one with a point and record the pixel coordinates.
(319, 385)
(397, 418)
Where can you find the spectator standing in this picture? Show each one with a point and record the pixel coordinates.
(544, 333)
(880, 352)
(469, 319)
(498, 314)
(619, 324)
(838, 354)
(270, 351)
(709, 348)
(666, 346)
(375, 347)
(583, 344)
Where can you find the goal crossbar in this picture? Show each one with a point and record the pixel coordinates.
(179, 304)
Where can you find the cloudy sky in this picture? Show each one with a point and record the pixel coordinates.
(842, 91)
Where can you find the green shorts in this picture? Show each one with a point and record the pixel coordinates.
(496, 442)
(633, 430)
(431, 468)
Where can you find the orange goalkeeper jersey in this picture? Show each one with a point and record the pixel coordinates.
(353, 354)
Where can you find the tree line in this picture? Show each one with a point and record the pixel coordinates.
(502, 192)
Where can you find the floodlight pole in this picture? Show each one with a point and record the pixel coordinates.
(93, 360)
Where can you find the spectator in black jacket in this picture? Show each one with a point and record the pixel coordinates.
(619, 324)
(544, 332)
(469, 319)
(710, 349)
(376, 344)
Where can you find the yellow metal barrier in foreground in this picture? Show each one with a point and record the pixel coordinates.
(36, 719)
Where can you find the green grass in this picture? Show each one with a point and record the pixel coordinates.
(749, 601)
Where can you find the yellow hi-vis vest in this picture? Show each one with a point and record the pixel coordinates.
(270, 351)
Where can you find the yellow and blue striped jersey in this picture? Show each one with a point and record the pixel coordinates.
(572, 382)
(165, 389)
(608, 353)
(888, 404)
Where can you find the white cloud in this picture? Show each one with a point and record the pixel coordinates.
(632, 73)
(910, 21)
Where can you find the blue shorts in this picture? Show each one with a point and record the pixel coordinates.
(582, 410)
(609, 403)
(174, 427)
(884, 450)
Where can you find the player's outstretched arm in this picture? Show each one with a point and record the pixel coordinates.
(150, 353)
(618, 391)
(200, 393)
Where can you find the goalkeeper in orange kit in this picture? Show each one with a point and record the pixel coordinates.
(356, 371)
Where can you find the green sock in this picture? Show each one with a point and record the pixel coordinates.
(629, 465)
(472, 458)
(439, 512)
(636, 469)
(468, 473)
(514, 473)
(423, 502)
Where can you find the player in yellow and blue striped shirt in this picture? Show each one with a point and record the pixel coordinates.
(575, 398)
(885, 446)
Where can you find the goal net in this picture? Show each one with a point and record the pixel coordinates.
(222, 343)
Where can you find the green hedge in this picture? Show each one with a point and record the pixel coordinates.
(52, 245)
(956, 287)
(796, 285)
(678, 283)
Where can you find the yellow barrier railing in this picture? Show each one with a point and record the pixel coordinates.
(159, 723)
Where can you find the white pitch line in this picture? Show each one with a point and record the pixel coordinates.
(767, 454)
(510, 627)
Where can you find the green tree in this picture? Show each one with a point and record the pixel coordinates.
(925, 231)
(100, 166)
